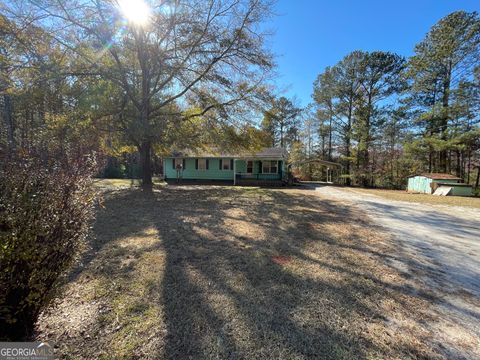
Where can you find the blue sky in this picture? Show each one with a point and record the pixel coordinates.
(310, 35)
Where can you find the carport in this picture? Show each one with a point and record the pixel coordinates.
(334, 170)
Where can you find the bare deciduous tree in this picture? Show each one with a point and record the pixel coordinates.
(206, 54)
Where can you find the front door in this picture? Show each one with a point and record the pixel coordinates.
(249, 166)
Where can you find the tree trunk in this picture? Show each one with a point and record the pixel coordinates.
(459, 165)
(347, 168)
(330, 140)
(146, 162)
(443, 158)
(323, 146)
(478, 178)
(365, 157)
(430, 157)
(281, 135)
(8, 120)
(469, 165)
(348, 140)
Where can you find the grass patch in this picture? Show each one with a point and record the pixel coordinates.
(118, 184)
(223, 272)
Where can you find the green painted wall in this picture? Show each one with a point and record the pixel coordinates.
(461, 191)
(240, 166)
(215, 173)
(419, 184)
(189, 172)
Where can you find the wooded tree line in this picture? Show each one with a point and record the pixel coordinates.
(197, 75)
(82, 67)
(385, 117)
(281, 122)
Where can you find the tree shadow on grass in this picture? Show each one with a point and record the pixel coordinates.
(226, 296)
(251, 273)
(119, 214)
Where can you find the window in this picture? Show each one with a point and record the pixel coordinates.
(269, 167)
(178, 163)
(226, 164)
(249, 167)
(202, 164)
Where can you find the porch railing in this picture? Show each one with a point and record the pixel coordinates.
(248, 176)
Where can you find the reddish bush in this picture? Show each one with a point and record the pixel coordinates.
(46, 205)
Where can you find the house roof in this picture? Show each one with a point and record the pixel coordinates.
(265, 153)
(438, 176)
(272, 152)
(201, 153)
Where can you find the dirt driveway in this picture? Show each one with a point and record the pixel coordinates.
(438, 246)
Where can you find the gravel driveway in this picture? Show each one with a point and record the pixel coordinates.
(439, 248)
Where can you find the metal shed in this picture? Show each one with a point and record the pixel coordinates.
(429, 183)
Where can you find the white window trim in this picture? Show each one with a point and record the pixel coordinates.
(204, 163)
(270, 167)
(223, 163)
(178, 161)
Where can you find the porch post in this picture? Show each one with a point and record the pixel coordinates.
(234, 172)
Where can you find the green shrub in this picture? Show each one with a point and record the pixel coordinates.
(46, 205)
(114, 169)
(125, 166)
(133, 170)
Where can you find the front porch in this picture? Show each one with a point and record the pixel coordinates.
(258, 172)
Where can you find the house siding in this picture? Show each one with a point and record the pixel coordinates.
(215, 173)
(189, 172)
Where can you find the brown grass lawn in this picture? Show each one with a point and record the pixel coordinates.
(401, 195)
(117, 184)
(194, 272)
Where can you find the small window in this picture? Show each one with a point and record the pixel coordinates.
(226, 164)
(178, 163)
(269, 167)
(249, 166)
(202, 164)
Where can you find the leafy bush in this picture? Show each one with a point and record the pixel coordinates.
(114, 169)
(46, 204)
(121, 167)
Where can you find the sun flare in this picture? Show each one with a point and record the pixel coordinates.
(136, 11)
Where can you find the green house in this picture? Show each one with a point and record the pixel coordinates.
(265, 167)
(438, 184)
